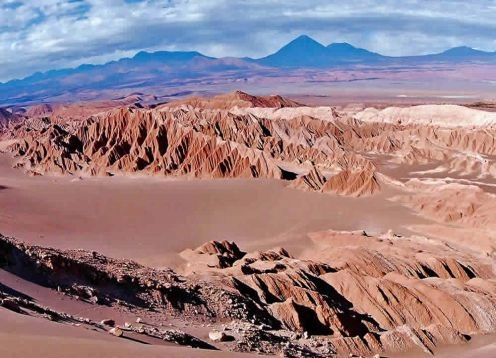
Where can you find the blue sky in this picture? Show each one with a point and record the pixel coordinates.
(37, 35)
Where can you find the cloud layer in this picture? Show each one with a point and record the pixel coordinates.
(46, 34)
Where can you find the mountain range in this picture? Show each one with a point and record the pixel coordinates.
(164, 68)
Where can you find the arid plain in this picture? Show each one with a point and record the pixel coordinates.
(245, 224)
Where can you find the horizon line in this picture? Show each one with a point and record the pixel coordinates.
(41, 72)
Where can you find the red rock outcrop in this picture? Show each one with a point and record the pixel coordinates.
(191, 142)
(7, 119)
(239, 135)
(235, 99)
(346, 182)
(63, 112)
(372, 294)
(351, 293)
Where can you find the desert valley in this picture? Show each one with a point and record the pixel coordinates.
(247, 178)
(243, 224)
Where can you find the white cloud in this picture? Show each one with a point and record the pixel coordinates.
(45, 34)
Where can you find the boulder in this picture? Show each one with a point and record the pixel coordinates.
(216, 336)
(116, 332)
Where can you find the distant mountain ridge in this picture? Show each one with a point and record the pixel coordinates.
(306, 52)
(147, 69)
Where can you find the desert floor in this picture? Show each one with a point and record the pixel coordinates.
(151, 220)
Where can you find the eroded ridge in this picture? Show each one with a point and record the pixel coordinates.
(360, 294)
(242, 136)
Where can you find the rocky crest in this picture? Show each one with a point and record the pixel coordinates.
(7, 119)
(368, 294)
(235, 99)
(197, 143)
(354, 298)
(243, 136)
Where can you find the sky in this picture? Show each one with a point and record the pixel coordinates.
(39, 35)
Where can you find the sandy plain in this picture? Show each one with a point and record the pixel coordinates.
(151, 220)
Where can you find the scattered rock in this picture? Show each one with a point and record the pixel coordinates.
(116, 332)
(10, 304)
(108, 322)
(217, 336)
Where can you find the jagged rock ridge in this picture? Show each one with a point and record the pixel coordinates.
(195, 142)
(352, 298)
(243, 136)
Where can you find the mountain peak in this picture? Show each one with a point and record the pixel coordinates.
(465, 51)
(304, 41)
(460, 50)
(300, 51)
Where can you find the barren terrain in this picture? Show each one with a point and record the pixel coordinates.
(249, 224)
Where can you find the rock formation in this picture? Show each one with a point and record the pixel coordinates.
(350, 292)
(369, 294)
(243, 136)
(191, 142)
(235, 99)
(7, 119)
(360, 294)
